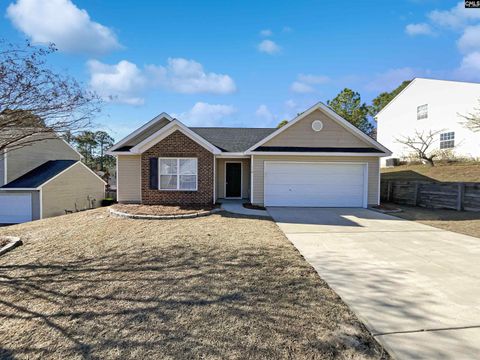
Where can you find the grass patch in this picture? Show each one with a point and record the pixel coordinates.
(457, 172)
(88, 285)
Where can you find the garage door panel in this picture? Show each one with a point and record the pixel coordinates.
(15, 208)
(314, 184)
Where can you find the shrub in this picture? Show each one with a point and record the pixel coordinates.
(107, 202)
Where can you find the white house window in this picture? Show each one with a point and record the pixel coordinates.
(447, 140)
(178, 174)
(422, 112)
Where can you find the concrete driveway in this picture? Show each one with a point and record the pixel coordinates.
(417, 288)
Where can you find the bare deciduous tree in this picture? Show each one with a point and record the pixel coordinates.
(35, 102)
(472, 120)
(421, 143)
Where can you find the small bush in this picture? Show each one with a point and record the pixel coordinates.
(107, 202)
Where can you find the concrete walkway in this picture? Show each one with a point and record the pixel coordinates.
(417, 288)
(236, 207)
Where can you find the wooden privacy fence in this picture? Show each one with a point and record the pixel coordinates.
(457, 196)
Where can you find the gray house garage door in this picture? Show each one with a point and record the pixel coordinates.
(315, 184)
(15, 208)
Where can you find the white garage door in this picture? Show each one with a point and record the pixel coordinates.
(314, 184)
(15, 208)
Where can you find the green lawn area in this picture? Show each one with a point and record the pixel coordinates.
(88, 285)
(456, 172)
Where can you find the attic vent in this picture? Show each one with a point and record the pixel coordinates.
(317, 125)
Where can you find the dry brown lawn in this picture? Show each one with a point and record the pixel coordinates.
(463, 222)
(456, 172)
(88, 285)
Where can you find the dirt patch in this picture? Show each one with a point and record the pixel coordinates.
(89, 285)
(161, 209)
(3, 242)
(463, 222)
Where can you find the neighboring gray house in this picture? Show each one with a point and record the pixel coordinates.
(45, 179)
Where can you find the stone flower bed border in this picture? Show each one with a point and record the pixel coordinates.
(14, 242)
(126, 215)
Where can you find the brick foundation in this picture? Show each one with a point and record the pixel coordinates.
(179, 145)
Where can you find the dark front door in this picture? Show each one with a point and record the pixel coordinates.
(233, 180)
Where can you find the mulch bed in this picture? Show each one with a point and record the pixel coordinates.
(253, 207)
(135, 209)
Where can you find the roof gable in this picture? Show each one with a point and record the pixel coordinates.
(143, 132)
(337, 132)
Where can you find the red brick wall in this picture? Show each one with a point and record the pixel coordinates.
(179, 145)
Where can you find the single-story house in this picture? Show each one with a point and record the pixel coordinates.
(317, 160)
(43, 179)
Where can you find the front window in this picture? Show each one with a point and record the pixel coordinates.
(178, 174)
(447, 140)
(422, 112)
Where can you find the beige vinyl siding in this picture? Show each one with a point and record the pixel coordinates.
(22, 160)
(258, 168)
(77, 188)
(220, 181)
(332, 134)
(129, 171)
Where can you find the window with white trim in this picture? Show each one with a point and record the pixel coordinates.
(178, 174)
(422, 112)
(447, 140)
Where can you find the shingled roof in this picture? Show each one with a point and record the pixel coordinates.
(230, 139)
(40, 175)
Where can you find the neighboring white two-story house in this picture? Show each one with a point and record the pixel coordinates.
(431, 105)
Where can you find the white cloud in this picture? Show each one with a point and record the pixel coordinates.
(304, 83)
(290, 104)
(188, 77)
(119, 83)
(264, 113)
(204, 114)
(63, 23)
(313, 79)
(470, 67)
(419, 29)
(390, 79)
(266, 33)
(301, 88)
(456, 17)
(470, 39)
(269, 47)
(124, 81)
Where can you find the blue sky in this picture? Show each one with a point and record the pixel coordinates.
(244, 63)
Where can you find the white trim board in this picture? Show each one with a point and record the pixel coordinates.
(294, 153)
(225, 178)
(334, 116)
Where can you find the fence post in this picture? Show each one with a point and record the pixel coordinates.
(415, 197)
(460, 196)
(389, 190)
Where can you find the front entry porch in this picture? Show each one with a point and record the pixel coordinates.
(232, 178)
